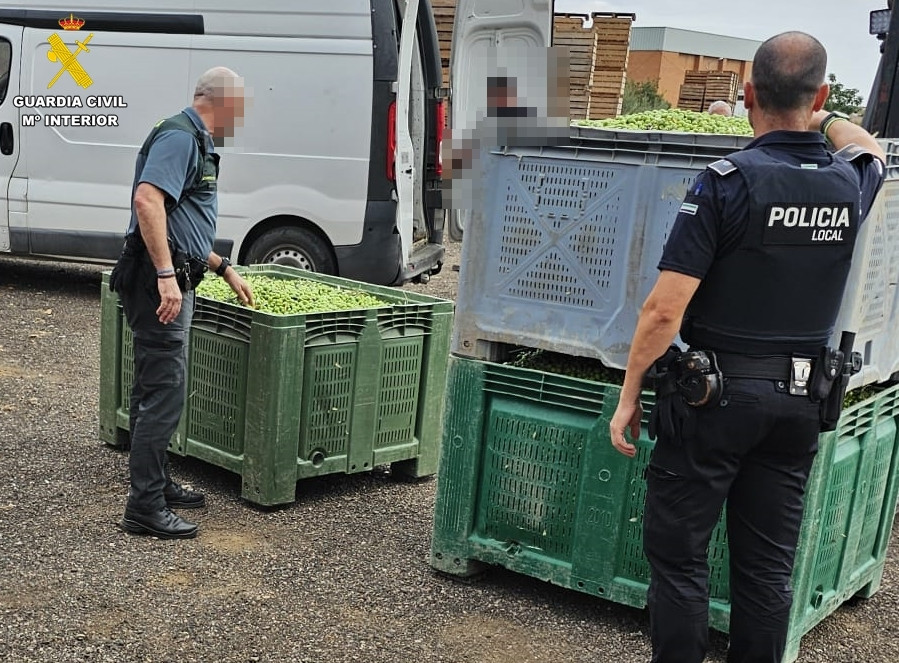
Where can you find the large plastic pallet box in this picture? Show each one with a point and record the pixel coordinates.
(871, 302)
(278, 398)
(564, 247)
(529, 481)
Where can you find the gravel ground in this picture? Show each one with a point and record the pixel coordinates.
(341, 575)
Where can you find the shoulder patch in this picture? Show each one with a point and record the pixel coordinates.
(852, 152)
(723, 167)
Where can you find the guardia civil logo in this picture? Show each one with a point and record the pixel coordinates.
(50, 109)
(68, 60)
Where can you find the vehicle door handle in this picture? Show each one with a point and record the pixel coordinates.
(7, 140)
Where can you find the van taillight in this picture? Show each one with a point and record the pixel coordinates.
(391, 142)
(441, 121)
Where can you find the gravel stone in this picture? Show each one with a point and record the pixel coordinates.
(341, 575)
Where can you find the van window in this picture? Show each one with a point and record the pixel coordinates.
(5, 62)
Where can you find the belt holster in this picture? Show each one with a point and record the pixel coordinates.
(699, 380)
(842, 364)
(188, 271)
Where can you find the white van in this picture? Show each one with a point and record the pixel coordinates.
(337, 168)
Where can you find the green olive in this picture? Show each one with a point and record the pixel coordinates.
(283, 296)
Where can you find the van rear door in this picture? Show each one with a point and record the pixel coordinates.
(10, 57)
(406, 163)
(481, 29)
(418, 132)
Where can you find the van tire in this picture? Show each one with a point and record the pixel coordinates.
(293, 246)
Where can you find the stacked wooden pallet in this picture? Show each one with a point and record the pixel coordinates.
(692, 92)
(598, 61)
(569, 33)
(444, 17)
(701, 88)
(613, 36)
(721, 85)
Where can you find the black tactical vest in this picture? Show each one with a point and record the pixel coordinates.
(779, 291)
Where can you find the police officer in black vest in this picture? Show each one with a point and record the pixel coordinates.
(752, 276)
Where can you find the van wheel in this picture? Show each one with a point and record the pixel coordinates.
(292, 246)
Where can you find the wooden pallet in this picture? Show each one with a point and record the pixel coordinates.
(603, 106)
(444, 17)
(701, 88)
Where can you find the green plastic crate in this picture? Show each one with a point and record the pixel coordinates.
(278, 398)
(529, 481)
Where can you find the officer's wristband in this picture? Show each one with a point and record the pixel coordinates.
(166, 276)
(828, 121)
(223, 267)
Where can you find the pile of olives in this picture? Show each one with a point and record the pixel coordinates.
(562, 364)
(290, 296)
(675, 119)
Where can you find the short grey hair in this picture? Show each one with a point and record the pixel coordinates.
(720, 105)
(213, 81)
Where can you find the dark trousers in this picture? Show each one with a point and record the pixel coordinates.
(755, 449)
(158, 391)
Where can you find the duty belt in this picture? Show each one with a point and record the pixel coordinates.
(777, 367)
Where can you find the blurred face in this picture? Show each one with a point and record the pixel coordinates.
(229, 109)
(502, 97)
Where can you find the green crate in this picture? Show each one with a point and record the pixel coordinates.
(529, 481)
(112, 394)
(278, 398)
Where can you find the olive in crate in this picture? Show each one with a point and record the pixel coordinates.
(290, 297)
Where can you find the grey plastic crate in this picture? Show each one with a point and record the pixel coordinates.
(564, 248)
(871, 302)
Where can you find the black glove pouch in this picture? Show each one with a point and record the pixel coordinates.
(670, 417)
(127, 270)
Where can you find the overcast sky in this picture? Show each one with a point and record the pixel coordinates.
(842, 26)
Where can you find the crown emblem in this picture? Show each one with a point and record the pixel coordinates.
(71, 22)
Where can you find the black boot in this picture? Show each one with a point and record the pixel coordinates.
(178, 497)
(164, 524)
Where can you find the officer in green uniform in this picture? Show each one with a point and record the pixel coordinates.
(167, 250)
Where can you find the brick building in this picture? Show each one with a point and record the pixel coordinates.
(666, 54)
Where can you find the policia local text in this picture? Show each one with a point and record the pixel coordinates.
(788, 224)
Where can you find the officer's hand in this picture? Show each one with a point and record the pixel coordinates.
(170, 296)
(627, 416)
(240, 287)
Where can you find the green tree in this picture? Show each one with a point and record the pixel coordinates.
(843, 99)
(642, 96)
